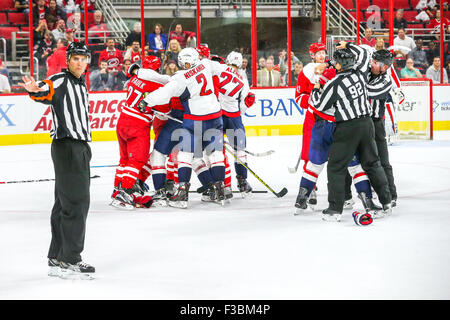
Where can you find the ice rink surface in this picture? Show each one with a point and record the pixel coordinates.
(250, 249)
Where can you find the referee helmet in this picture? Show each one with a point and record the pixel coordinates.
(384, 56)
(77, 48)
(345, 58)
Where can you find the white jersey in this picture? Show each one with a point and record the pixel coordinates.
(195, 88)
(233, 89)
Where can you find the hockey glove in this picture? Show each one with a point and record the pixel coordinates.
(161, 115)
(249, 99)
(399, 95)
(327, 75)
(362, 219)
(143, 107)
(132, 70)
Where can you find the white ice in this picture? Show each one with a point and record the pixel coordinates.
(251, 249)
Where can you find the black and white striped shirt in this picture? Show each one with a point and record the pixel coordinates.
(68, 97)
(378, 86)
(346, 93)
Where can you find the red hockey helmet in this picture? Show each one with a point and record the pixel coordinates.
(203, 51)
(316, 47)
(151, 62)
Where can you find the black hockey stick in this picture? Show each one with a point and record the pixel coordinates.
(278, 194)
(37, 180)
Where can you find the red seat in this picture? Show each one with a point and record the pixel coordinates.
(3, 18)
(410, 15)
(5, 32)
(404, 4)
(383, 4)
(363, 4)
(17, 18)
(347, 4)
(7, 4)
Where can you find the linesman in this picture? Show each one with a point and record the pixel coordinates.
(67, 95)
(347, 94)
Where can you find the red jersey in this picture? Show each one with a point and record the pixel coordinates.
(114, 58)
(135, 93)
(135, 56)
(436, 25)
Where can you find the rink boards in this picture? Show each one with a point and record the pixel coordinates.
(23, 121)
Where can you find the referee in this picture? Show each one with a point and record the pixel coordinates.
(347, 95)
(67, 95)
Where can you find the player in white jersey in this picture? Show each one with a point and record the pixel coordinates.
(235, 97)
(202, 121)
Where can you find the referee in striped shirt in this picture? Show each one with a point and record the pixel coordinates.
(346, 94)
(67, 95)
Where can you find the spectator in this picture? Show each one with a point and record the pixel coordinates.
(184, 37)
(409, 71)
(283, 65)
(4, 71)
(268, 77)
(69, 36)
(75, 23)
(433, 51)
(101, 79)
(22, 6)
(98, 30)
(172, 51)
(39, 12)
(419, 55)
(170, 68)
(56, 11)
(434, 71)
(60, 31)
(44, 49)
(157, 40)
(403, 40)
(246, 70)
(399, 21)
(261, 63)
(134, 52)
(4, 84)
(120, 78)
(134, 35)
(435, 24)
(447, 68)
(51, 22)
(426, 10)
(298, 67)
(111, 55)
(57, 61)
(90, 5)
(379, 44)
(368, 39)
(39, 31)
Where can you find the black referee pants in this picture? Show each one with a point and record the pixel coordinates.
(71, 159)
(357, 135)
(380, 139)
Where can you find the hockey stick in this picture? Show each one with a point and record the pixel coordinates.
(38, 180)
(294, 170)
(278, 194)
(105, 166)
(255, 154)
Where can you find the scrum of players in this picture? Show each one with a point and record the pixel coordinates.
(206, 98)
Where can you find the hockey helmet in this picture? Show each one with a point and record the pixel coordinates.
(151, 62)
(384, 56)
(218, 59)
(316, 47)
(188, 55)
(78, 48)
(203, 50)
(345, 58)
(235, 59)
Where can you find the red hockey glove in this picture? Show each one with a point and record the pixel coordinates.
(327, 75)
(144, 201)
(249, 99)
(362, 219)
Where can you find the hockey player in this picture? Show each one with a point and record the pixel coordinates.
(305, 83)
(133, 133)
(202, 121)
(235, 97)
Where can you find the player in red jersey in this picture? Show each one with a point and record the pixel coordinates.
(133, 133)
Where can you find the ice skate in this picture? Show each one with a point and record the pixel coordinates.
(331, 215)
(124, 200)
(79, 270)
(220, 193)
(301, 202)
(53, 268)
(180, 198)
(160, 198)
(370, 207)
(348, 204)
(312, 200)
(209, 195)
(394, 203)
(228, 194)
(244, 187)
(387, 209)
(170, 188)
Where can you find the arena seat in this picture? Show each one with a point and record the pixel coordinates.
(5, 32)
(16, 18)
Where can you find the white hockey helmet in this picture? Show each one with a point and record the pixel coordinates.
(188, 55)
(234, 58)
